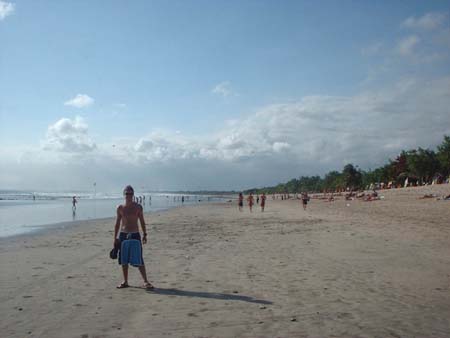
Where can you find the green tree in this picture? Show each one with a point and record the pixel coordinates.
(443, 155)
(422, 163)
(333, 181)
(352, 177)
(292, 186)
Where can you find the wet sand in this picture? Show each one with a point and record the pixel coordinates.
(369, 269)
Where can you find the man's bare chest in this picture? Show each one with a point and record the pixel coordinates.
(129, 212)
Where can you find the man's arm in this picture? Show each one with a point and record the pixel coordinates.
(142, 221)
(117, 225)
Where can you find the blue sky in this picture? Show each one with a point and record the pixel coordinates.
(175, 84)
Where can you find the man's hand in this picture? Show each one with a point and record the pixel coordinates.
(144, 238)
(116, 242)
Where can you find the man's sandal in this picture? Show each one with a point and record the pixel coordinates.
(148, 286)
(122, 285)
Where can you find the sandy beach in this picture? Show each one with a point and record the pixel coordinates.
(338, 269)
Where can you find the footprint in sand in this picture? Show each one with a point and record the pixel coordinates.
(345, 315)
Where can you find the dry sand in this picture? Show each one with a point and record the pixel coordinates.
(370, 269)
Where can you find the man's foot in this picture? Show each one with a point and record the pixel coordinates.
(148, 286)
(122, 285)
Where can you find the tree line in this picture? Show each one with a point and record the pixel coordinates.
(418, 166)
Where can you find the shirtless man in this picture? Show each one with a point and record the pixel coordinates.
(241, 201)
(305, 199)
(128, 214)
(263, 201)
(250, 201)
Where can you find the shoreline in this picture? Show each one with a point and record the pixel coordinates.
(371, 269)
(46, 227)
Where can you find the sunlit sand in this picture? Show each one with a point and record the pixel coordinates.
(343, 268)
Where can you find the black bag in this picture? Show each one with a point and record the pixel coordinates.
(113, 253)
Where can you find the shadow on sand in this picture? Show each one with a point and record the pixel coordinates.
(211, 295)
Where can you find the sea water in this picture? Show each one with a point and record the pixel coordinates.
(26, 211)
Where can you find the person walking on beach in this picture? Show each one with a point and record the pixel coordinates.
(305, 199)
(263, 201)
(240, 201)
(250, 201)
(74, 203)
(129, 238)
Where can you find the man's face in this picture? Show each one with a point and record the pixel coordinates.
(128, 195)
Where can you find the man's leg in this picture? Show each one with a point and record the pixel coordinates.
(125, 273)
(124, 284)
(144, 277)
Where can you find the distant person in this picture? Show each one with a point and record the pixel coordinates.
(257, 199)
(129, 238)
(263, 201)
(250, 201)
(240, 201)
(182, 199)
(305, 199)
(74, 203)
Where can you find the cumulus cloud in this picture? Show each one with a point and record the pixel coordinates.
(406, 46)
(69, 136)
(428, 21)
(326, 130)
(6, 8)
(224, 89)
(80, 101)
(313, 135)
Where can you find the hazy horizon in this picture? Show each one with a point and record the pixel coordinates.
(223, 95)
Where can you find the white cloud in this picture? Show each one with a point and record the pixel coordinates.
(313, 135)
(6, 8)
(224, 89)
(69, 136)
(280, 146)
(406, 46)
(320, 129)
(80, 101)
(428, 21)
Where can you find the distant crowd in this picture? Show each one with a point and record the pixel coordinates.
(261, 200)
